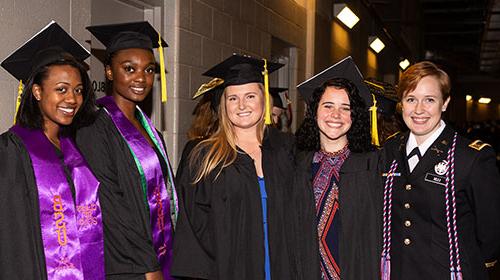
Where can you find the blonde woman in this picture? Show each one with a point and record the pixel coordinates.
(234, 186)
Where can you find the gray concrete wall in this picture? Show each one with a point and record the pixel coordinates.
(202, 33)
(211, 30)
(21, 19)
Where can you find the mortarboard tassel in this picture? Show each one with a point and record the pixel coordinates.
(373, 120)
(267, 114)
(20, 89)
(163, 77)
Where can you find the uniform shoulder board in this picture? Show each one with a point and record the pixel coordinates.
(491, 264)
(478, 145)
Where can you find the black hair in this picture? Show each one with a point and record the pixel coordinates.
(29, 115)
(358, 136)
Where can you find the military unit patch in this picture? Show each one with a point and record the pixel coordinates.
(441, 167)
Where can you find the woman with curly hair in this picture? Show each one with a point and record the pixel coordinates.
(337, 190)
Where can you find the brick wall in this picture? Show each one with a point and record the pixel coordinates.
(211, 30)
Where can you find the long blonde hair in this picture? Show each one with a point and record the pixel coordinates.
(220, 147)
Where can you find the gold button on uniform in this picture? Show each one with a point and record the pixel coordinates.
(407, 223)
(407, 241)
(407, 206)
(408, 187)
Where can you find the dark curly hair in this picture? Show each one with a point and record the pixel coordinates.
(358, 136)
(29, 115)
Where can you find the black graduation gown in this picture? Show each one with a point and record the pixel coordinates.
(21, 249)
(477, 187)
(188, 148)
(360, 202)
(220, 233)
(128, 245)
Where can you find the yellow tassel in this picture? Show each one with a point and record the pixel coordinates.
(373, 119)
(18, 99)
(163, 77)
(267, 114)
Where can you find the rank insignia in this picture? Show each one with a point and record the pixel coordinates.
(438, 151)
(478, 145)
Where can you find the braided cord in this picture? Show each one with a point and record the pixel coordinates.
(451, 215)
(385, 262)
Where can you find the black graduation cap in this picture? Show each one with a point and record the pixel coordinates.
(347, 69)
(49, 45)
(385, 96)
(277, 100)
(241, 69)
(128, 35)
(385, 105)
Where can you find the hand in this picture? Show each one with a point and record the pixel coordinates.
(154, 275)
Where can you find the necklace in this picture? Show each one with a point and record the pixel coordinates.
(336, 153)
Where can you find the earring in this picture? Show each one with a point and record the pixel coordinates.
(109, 74)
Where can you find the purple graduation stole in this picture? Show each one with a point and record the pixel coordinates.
(71, 230)
(148, 165)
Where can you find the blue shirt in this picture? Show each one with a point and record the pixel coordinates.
(263, 195)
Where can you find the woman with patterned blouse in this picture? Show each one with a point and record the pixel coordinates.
(337, 190)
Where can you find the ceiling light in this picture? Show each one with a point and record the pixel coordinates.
(345, 15)
(468, 98)
(404, 64)
(484, 100)
(376, 44)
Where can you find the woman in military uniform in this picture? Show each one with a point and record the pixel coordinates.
(441, 193)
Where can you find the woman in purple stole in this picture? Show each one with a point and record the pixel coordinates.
(50, 217)
(129, 158)
(337, 179)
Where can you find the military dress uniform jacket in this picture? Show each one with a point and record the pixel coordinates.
(420, 247)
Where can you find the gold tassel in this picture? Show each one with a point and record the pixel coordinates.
(163, 77)
(267, 113)
(20, 89)
(373, 120)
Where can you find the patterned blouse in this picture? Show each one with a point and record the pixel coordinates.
(325, 168)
